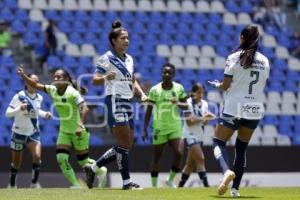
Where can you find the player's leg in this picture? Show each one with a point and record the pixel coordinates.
(63, 148)
(176, 144)
(16, 145)
(159, 141)
(198, 156)
(187, 170)
(34, 146)
(244, 135)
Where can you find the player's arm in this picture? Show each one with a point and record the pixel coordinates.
(44, 114)
(14, 107)
(99, 79)
(28, 80)
(139, 90)
(83, 112)
(148, 113)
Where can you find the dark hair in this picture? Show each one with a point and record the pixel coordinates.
(169, 65)
(196, 87)
(116, 29)
(249, 46)
(82, 90)
(29, 75)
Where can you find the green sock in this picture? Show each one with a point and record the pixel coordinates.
(66, 168)
(154, 181)
(172, 175)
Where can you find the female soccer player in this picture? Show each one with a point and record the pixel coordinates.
(114, 69)
(72, 111)
(196, 116)
(25, 107)
(165, 100)
(245, 76)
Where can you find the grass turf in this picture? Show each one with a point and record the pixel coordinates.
(146, 194)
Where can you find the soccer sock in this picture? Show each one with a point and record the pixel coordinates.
(107, 157)
(36, 167)
(172, 174)
(154, 178)
(62, 157)
(221, 154)
(203, 177)
(13, 175)
(83, 159)
(123, 164)
(184, 178)
(239, 163)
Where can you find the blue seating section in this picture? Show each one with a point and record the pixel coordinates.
(147, 30)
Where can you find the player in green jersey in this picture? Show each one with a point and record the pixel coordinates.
(165, 101)
(72, 111)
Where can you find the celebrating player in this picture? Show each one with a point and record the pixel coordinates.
(72, 111)
(196, 117)
(114, 69)
(245, 76)
(25, 107)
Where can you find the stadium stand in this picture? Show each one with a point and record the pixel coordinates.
(196, 36)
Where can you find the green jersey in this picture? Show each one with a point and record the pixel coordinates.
(166, 115)
(67, 107)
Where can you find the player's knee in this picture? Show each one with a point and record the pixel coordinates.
(62, 156)
(83, 159)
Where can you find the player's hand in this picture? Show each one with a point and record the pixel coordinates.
(48, 115)
(79, 131)
(145, 136)
(111, 75)
(23, 106)
(215, 83)
(174, 101)
(144, 97)
(20, 70)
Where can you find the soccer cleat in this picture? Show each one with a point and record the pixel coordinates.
(12, 187)
(36, 185)
(90, 176)
(101, 175)
(132, 186)
(234, 192)
(227, 178)
(75, 187)
(171, 184)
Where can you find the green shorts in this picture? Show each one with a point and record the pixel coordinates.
(71, 139)
(159, 137)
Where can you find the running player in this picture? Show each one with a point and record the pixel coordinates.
(114, 69)
(72, 111)
(196, 117)
(165, 100)
(25, 107)
(245, 76)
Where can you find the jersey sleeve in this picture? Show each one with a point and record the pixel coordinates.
(190, 109)
(182, 93)
(268, 69)
(229, 68)
(15, 102)
(77, 97)
(102, 65)
(152, 95)
(50, 89)
(205, 107)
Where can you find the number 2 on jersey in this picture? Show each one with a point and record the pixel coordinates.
(256, 75)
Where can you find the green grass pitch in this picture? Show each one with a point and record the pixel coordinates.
(146, 194)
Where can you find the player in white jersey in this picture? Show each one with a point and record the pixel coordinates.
(25, 107)
(114, 69)
(195, 118)
(245, 77)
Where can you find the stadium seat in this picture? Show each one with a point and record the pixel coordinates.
(55, 5)
(85, 5)
(25, 4)
(159, 5)
(40, 4)
(173, 6)
(217, 7)
(100, 5)
(115, 5)
(130, 5)
(188, 6)
(202, 7)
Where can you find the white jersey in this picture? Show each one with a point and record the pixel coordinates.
(25, 121)
(244, 97)
(196, 109)
(122, 85)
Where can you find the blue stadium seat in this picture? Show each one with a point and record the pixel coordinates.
(34, 26)
(171, 18)
(21, 15)
(215, 18)
(76, 38)
(64, 26)
(53, 62)
(81, 15)
(291, 86)
(97, 16)
(30, 39)
(18, 26)
(156, 17)
(79, 27)
(232, 6)
(128, 17)
(185, 17)
(246, 7)
(95, 140)
(52, 15)
(201, 19)
(11, 4)
(111, 16)
(143, 17)
(67, 15)
(271, 120)
(6, 15)
(91, 38)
